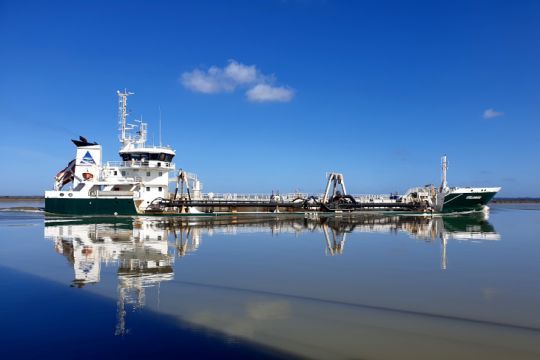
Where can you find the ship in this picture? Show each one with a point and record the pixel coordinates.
(139, 184)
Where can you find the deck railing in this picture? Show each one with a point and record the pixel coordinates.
(122, 179)
(102, 193)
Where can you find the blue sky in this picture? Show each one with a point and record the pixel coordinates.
(269, 95)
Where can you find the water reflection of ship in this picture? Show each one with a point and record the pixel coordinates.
(144, 249)
(473, 227)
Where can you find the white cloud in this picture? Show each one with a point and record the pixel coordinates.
(240, 73)
(235, 75)
(491, 114)
(199, 81)
(266, 93)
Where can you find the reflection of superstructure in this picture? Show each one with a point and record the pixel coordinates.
(139, 249)
(86, 246)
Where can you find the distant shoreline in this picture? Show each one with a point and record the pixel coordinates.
(21, 198)
(494, 201)
(516, 201)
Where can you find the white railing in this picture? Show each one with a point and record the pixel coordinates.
(371, 196)
(103, 193)
(366, 198)
(120, 179)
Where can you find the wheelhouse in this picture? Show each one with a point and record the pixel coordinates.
(147, 156)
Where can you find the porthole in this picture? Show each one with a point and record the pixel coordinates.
(70, 194)
(62, 194)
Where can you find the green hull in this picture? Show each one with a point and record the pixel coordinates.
(456, 202)
(90, 206)
(460, 202)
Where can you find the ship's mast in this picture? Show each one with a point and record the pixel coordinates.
(127, 139)
(122, 114)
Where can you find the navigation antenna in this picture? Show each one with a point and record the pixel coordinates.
(159, 107)
(122, 114)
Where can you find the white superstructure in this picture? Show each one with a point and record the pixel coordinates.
(141, 175)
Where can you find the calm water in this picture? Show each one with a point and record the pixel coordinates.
(364, 287)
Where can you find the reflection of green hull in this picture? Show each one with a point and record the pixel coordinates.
(90, 206)
(465, 201)
(119, 222)
(467, 223)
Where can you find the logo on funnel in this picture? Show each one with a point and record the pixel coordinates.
(87, 159)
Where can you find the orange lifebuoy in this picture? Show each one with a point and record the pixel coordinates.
(87, 176)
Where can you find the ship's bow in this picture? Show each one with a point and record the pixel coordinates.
(468, 199)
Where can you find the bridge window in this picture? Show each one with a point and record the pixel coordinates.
(143, 156)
